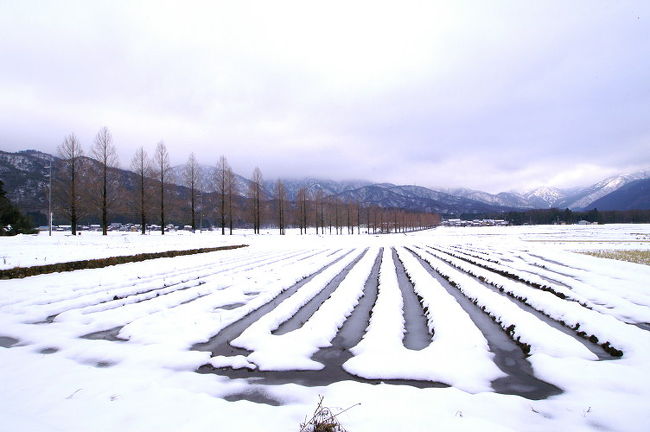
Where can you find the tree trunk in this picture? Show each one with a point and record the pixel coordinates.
(104, 203)
(162, 206)
(143, 222)
(73, 196)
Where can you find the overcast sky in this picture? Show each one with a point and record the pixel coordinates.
(492, 96)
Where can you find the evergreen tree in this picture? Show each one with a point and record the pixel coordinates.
(12, 222)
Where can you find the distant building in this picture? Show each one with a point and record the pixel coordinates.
(475, 222)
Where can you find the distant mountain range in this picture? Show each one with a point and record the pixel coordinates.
(580, 198)
(25, 176)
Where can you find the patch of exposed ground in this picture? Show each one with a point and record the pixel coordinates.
(634, 256)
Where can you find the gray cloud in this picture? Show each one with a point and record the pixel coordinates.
(493, 97)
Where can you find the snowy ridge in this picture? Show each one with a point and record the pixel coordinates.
(620, 303)
(602, 188)
(463, 363)
(524, 276)
(524, 327)
(608, 330)
(293, 350)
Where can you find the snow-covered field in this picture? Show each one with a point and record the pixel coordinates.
(494, 328)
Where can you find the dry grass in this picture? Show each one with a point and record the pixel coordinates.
(634, 256)
(323, 420)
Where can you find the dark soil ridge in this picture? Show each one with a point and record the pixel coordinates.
(22, 272)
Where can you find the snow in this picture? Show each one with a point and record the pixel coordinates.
(527, 328)
(141, 375)
(292, 351)
(27, 250)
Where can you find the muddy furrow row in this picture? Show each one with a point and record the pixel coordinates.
(219, 344)
(588, 340)
(417, 335)
(560, 293)
(118, 298)
(332, 357)
(307, 310)
(520, 379)
(169, 300)
(508, 356)
(476, 253)
(122, 289)
(126, 283)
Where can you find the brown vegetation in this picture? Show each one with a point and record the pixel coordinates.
(21, 272)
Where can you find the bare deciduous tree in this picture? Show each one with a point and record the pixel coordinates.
(255, 194)
(358, 208)
(337, 217)
(348, 209)
(70, 152)
(161, 159)
(301, 202)
(192, 178)
(281, 196)
(320, 210)
(221, 183)
(105, 153)
(231, 190)
(141, 165)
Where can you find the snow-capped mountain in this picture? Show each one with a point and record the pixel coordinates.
(634, 195)
(417, 198)
(313, 185)
(577, 198)
(506, 199)
(584, 198)
(544, 197)
(207, 175)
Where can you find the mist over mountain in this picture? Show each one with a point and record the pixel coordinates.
(25, 175)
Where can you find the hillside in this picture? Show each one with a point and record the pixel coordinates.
(631, 196)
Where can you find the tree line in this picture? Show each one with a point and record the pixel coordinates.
(93, 188)
(555, 215)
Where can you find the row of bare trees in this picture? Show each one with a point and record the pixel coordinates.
(333, 215)
(93, 188)
(77, 184)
